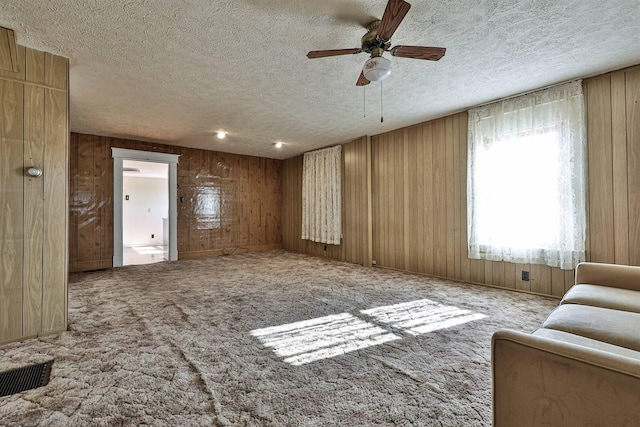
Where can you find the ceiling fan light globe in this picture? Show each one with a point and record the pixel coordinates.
(377, 69)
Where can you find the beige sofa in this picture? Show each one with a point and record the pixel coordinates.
(582, 367)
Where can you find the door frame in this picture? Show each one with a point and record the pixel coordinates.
(120, 154)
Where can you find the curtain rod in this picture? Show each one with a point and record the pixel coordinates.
(325, 148)
(525, 93)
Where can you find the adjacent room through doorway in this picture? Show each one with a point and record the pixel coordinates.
(145, 212)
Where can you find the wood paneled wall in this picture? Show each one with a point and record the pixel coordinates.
(419, 181)
(33, 223)
(356, 246)
(419, 202)
(356, 202)
(613, 119)
(225, 201)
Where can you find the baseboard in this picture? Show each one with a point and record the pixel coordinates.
(24, 338)
(471, 283)
(51, 332)
(228, 251)
(99, 264)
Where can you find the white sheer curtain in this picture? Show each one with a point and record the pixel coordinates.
(526, 181)
(321, 196)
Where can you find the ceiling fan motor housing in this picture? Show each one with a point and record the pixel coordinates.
(371, 43)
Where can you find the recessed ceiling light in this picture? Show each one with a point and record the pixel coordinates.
(221, 134)
(278, 145)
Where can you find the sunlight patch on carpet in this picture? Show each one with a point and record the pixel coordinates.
(315, 339)
(329, 336)
(422, 316)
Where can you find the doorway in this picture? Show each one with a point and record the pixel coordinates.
(168, 229)
(145, 212)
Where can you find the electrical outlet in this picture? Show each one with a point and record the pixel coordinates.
(153, 236)
(374, 262)
(525, 276)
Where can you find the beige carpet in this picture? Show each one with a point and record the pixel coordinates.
(195, 343)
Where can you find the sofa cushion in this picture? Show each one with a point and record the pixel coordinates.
(603, 296)
(614, 275)
(602, 324)
(586, 342)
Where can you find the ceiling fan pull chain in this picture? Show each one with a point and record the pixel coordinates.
(381, 106)
(364, 102)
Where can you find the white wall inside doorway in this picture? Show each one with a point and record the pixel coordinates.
(142, 213)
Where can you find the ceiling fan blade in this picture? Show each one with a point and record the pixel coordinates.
(335, 52)
(362, 80)
(394, 13)
(419, 52)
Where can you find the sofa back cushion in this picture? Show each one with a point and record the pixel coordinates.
(604, 296)
(602, 324)
(613, 275)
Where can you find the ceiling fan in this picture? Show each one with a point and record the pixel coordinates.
(378, 40)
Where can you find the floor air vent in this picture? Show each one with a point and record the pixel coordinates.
(25, 378)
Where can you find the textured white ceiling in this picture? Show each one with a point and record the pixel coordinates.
(176, 71)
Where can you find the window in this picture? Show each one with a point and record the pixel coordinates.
(526, 179)
(321, 195)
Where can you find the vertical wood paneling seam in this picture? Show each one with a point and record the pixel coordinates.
(619, 168)
(374, 197)
(345, 211)
(44, 206)
(386, 184)
(449, 195)
(610, 149)
(369, 172)
(405, 196)
(66, 193)
(613, 172)
(364, 201)
(44, 70)
(456, 197)
(392, 237)
(587, 243)
(24, 212)
(42, 219)
(626, 146)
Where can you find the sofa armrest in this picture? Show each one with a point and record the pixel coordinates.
(541, 381)
(614, 275)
